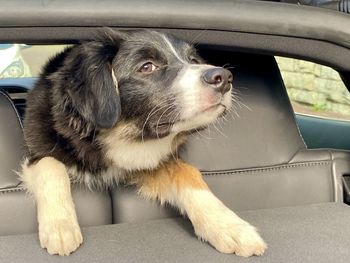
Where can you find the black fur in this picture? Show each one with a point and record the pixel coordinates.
(76, 97)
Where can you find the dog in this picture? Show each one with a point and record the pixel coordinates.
(115, 109)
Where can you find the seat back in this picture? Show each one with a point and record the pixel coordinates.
(17, 209)
(255, 158)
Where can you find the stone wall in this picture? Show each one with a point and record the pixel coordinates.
(315, 86)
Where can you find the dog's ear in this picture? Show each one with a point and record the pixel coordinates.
(92, 85)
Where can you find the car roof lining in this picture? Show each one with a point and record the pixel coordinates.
(229, 15)
(303, 32)
(321, 52)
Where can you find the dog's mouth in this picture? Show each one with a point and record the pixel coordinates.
(161, 127)
(216, 105)
(166, 125)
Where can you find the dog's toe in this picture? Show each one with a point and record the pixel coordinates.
(243, 240)
(249, 242)
(60, 237)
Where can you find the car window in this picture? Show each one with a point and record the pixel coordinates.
(315, 89)
(20, 61)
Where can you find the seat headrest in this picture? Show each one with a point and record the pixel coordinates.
(11, 142)
(263, 130)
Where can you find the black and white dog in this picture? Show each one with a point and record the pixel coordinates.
(116, 109)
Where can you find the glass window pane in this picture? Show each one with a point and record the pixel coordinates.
(315, 89)
(20, 61)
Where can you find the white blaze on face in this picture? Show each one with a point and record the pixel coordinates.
(171, 47)
(115, 82)
(196, 98)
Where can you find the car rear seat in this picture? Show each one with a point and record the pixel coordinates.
(17, 209)
(256, 161)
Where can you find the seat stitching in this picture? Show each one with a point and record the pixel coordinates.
(241, 171)
(265, 169)
(11, 190)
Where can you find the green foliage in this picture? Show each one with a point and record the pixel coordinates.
(319, 107)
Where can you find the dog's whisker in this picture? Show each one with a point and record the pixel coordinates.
(234, 111)
(236, 91)
(175, 116)
(192, 42)
(223, 66)
(159, 119)
(242, 87)
(236, 97)
(205, 137)
(243, 105)
(173, 155)
(219, 131)
(227, 66)
(219, 122)
(151, 113)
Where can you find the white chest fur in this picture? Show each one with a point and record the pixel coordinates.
(131, 155)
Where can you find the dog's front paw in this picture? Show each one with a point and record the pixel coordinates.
(241, 239)
(60, 237)
(230, 234)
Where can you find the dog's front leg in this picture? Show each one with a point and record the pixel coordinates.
(48, 181)
(182, 186)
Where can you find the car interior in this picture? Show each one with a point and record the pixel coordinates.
(255, 160)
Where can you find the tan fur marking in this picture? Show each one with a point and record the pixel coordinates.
(185, 175)
(159, 184)
(182, 186)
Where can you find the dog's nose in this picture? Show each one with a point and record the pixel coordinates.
(218, 78)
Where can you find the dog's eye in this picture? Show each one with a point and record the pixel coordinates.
(147, 68)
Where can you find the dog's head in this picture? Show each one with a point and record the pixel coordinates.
(151, 80)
